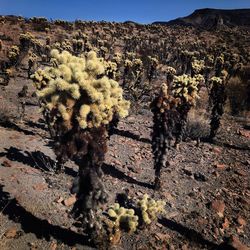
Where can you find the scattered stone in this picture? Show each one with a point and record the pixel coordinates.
(162, 237)
(236, 244)
(244, 133)
(187, 172)
(59, 200)
(241, 221)
(69, 201)
(220, 166)
(184, 247)
(216, 150)
(218, 206)
(200, 177)
(40, 186)
(226, 224)
(11, 233)
(241, 172)
(6, 164)
(53, 246)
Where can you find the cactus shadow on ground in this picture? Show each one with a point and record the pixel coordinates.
(130, 135)
(35, 159)
(13, 126)
(188, 233)
(116, 173)
(31, 224)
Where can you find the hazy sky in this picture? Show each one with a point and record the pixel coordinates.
(143, 11)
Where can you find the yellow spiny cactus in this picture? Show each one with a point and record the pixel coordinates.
(123, 218)
(185, 87)
(150, 208)
(79, 85)
(216, 80)
(198, 66)
(13, 53)
(170, 70)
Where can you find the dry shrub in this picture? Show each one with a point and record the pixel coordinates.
(202, 101)
(197, 125)
(7, 112)
(238, 95)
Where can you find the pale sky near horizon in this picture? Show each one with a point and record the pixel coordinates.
(142, 11)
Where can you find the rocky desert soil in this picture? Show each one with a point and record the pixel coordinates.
(207, 188)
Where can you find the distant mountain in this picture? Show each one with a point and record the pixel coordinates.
(213, 18)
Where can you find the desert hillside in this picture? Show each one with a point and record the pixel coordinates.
(123, 135)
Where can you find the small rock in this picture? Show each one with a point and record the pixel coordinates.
(53, 246)
(236, 244)
(162, 237)
(226, 224)
(244, 133)
(241, 221)
(241, 172)
(219, 207)
(200, 177)
(6, 164)
(59, 200)
(11, 233)
(216, 150)
(40, 186)
(184, 247)
(220, 166)
(69, 201)
(187, 172)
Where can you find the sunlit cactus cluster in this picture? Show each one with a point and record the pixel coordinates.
(13, 54)
(150, 208)
(198, 66)
(75, 89)
(123, 218)
(185, 87)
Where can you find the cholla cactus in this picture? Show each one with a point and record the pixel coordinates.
(150, 209)
(25, 41)
(73, 78)
(13, 54)
(111, 69)
(8, 73)
(81, 102)
(31, 64)
(77, 45)
(198, 66)
(138, 213)
(124, 219)
(152, 67)
(165, 118)
(219, 63)
(170, 72)
(217, 98)
(185, 88)
(117, 58)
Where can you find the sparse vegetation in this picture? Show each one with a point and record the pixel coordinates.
(95, 84)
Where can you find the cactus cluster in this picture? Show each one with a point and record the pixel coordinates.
(124, 219)
(13, 54)
(137, 214)
(217, 98)
(75, 88)
(185, 87)
(111, 69)
(165, 118)
(198, 66)
(79, 101)
(150, 208)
